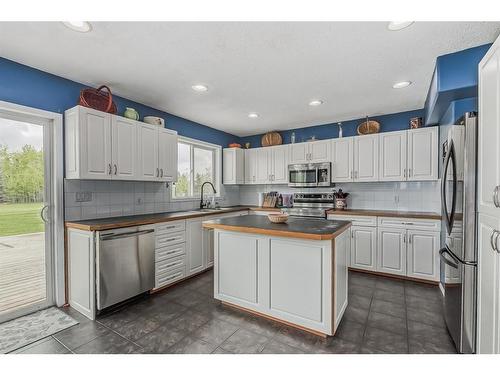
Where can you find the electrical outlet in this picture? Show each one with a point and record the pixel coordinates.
(139, 201)
(83, 196)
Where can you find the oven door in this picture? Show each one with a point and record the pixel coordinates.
(302, 175)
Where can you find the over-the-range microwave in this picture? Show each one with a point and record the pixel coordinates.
(309, 175)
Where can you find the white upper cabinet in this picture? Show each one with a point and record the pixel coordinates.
(124, 148)
(422, 154)
(233, 164)
(263, 167)
(393, 156)
(88, 144)
(342, 151)
(310, 152)
(279, 164)
(167, 155)
(489, 132)
(104, 146)
(366, 158)
(250, 166)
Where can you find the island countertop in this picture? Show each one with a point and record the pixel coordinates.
(296, 227)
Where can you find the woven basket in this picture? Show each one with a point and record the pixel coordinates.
(368, 127)
(278, 218)
(98, 99)
(271, 139)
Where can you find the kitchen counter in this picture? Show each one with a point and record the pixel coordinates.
(387, 213)
(133, 220)
(296, 227)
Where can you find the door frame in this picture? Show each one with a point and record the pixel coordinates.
(53, 129)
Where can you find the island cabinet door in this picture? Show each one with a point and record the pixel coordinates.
(391, 256)
(364, 248)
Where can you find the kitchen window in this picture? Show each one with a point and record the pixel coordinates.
(197, 163)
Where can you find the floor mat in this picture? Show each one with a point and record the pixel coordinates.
(22, 331)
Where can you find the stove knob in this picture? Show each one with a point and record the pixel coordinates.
(330, 196)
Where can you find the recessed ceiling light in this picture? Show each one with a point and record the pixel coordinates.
(80, 26)
(199, 88)
(401, 85)
(253, 115)
(399, 25)
(315, 103)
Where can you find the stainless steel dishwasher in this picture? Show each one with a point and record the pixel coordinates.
(125, 264)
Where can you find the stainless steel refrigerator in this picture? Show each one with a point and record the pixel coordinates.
(458, 252)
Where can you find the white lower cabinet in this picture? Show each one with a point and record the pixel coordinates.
(391, 251)
(364, 248)
(194, 245)
(423, 254)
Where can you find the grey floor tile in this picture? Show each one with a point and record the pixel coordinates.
(423, 290)
(359, 301)
(244, 342)
(390, 285)
(337, 345)
(424, 338)
(384, 295)
(360, 279)
(385, 341)
(350, 331)
(80, 334)
(360, 290)
(191, 345)
(356, 314)
(276, 347)
(167, 312)
(368, 350)
(428, 347)
(114, 320)
(299, 339)
(80, 318)
(110, 343)
(161, 339)
(389, 308)
(189, 321)
(215, 331)
(221, 351)
(138, 328)
(387, 323)
(419, 303)
(227, 314)
(48, 345)
(261, 326)
(432, 318)
(191, 298)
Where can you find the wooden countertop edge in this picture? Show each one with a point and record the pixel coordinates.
(414, 215)
(124, 224)
(279, 233)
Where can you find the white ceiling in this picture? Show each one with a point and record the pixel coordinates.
(273, 69)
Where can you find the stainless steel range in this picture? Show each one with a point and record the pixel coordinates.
(311, 204)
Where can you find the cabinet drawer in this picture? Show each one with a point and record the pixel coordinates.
(172, 226)
(165, 266)
(170, 277)
(168, 252)
(405, 223)
(170, 239)
(365, 221)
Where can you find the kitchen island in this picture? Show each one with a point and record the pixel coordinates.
(295, 273)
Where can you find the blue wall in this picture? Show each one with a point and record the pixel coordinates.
(21, 84)
(391, 122)
(456, 110)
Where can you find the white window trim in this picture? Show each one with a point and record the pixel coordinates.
(217, 169)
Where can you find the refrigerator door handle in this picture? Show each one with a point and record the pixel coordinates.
(446, 260)
(449, 157)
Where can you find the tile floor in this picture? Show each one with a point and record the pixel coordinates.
(384, 316)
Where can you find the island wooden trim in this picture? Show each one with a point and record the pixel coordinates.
(253, 312)
(382, 213)
(276, 232)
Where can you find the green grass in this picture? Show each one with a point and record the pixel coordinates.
(20, 218)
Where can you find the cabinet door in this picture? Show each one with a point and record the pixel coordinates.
(391, 251)
(124, 148)
(488, 306)
(228, 166)
(366, 158)
(194, 247)
(392, 162)
(263, 170)
(148, 152)
(319, 151)
(423, 154)
(250, 163)
(364, 248)
(95, 144)
(167, 155)
(280, 165)
(489, 130)
(342, 153)
(208, 245)
(299, 153)
(423, 254)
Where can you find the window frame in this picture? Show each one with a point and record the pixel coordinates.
(217, 158)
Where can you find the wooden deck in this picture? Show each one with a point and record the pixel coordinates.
(22, 271)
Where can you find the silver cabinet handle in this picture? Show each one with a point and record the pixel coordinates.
(161, 172)
(496, 242)
(409, 172)
(116, 169)
(404, 173)
(493, 232)
(157, 172)
(404, 238)
(495, 197)
(109, 168)
(409, 238)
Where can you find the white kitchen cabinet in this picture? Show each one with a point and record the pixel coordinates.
(148, 152)
(233, 166)
(124, 154)
(422, 161)
(391, 257)
(364, 248)
(263, 167)
(310, 152)
(392, 162)
(342, 151)
(489, 132)
(279, 164)
(423, 254)
(366, 158)
(250, 166)
(88, 144)
(196, 258)
(167, 155)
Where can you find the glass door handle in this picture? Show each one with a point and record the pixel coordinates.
(42, 214)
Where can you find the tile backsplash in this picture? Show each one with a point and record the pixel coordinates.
(119, 198)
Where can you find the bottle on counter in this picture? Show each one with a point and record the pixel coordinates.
(280, 201)
(292, 138)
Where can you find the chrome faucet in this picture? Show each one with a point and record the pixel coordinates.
(202, 204)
